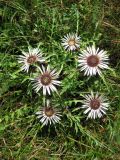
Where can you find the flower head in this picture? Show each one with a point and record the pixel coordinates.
(92, 61)
(29, 58)
(71, 42)
(95, 105)
(48, 114)
(46, 80)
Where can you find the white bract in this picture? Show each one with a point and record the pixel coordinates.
(48, 115)
(71, 42)
(29, 58)
(92, 60)
(95, 105)
(46, 80)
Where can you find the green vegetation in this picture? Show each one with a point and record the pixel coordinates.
(44, 23)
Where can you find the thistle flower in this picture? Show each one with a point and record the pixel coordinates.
(46, 80)
(92, 61)
(29, 58)
(48, 114)
(95, 105)
(71, 42)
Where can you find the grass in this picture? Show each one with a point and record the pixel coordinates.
(43, 24)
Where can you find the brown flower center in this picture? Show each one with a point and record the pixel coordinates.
(31, 59)
(49, 111)
(46, 79)
(71, 42)
(95, 104)
(93, 61)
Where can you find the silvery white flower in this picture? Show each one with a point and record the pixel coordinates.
(71, 42)
(48, 114)
(92, 60)
(95, 105)
(29, 58)
(46, 80)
